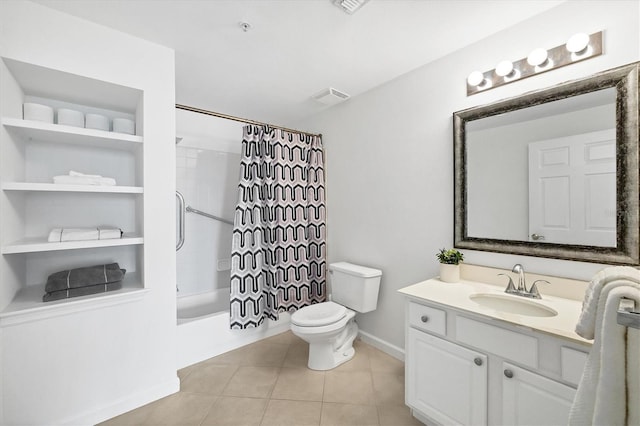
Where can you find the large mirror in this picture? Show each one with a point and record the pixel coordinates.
(552, 173)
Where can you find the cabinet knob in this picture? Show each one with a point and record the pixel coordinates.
(508, 374)
(424, 318)
(478, 361)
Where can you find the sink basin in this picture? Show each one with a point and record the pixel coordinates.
(509, 304)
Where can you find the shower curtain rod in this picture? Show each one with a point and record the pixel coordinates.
(242, 120)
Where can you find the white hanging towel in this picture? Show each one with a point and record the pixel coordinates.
(600, 285)
(609, 391)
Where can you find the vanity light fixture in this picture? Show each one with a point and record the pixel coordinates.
(578, 48)
(476, 78)
(504, 69)
(537, 57)
(578, 43)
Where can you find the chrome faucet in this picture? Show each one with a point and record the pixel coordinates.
(521, 289)
(518, 269)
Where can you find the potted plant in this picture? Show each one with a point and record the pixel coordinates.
(450, 265)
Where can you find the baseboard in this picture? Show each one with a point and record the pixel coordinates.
(384, 346)
(125, 404)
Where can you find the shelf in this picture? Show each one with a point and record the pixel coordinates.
(56, 133)
(27, 305)
(34, 245)
(54, 187)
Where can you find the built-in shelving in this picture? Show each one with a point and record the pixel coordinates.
(33, 245)
(56, 133)
(54, 187)
(27, 305)
(31, 154)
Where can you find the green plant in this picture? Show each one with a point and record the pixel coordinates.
(450, 257)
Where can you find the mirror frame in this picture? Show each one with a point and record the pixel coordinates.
(625, 80)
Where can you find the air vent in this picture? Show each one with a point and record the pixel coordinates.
(330, 96)
(350, 6)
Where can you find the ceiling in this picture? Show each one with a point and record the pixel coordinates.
(296, 48)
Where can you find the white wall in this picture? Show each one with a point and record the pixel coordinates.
(85, 367)
(390, 153)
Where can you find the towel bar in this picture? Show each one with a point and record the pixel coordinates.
(627, 314)
(190, 209)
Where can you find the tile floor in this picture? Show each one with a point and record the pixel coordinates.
(268, 383)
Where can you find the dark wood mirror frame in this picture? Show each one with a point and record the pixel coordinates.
(625, 80)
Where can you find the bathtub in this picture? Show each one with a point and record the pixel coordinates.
(203, 327)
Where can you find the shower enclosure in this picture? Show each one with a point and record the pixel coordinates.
(207, 173)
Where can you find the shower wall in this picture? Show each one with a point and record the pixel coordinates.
(207, 173)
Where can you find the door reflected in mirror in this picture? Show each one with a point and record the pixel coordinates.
(545, 174)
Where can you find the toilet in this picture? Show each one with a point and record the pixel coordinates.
(329, 327)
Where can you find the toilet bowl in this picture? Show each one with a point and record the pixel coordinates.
(330, 330)
(330, 327)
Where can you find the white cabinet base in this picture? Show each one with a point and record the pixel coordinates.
(456, 364)
(446, 382)
(531, 399)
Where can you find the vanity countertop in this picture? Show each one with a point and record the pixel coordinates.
(457, 296)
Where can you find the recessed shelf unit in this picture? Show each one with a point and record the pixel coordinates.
(52, 187)
(32, 153)
(33, 245)
(55, 133)
(27, 305)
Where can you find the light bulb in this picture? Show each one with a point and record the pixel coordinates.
(504, 68)
(537, 57)
(476, 78)
(577, 43)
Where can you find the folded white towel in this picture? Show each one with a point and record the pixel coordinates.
(83, 180)
(77, 178)
(109, 233)
(607, 394)
(83, 234)
(74, 173)
(598, 288)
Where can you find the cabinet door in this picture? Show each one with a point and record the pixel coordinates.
(445, 381)
(530, 399)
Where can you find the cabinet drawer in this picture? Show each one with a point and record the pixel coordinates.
(505, 343)
(428, 319)
(573, 362)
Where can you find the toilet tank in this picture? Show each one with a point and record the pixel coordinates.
(355, 286)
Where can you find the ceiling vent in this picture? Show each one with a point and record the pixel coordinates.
(350, 6)
(330, 96)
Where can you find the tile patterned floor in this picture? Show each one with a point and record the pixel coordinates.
(268, 383)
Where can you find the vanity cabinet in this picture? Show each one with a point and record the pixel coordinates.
(448, 382)
(467, 369)
(531, 399)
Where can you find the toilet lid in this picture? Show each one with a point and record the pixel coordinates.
(319, 314)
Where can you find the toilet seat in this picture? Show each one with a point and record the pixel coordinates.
(319, 314)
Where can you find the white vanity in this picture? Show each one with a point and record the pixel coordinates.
(477, 356)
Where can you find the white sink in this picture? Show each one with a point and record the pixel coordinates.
(512, 304)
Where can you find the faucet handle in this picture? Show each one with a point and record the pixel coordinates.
(511, 288)
(533, 291)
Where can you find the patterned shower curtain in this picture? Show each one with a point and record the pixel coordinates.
(278, 248)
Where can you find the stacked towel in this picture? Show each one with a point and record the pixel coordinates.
(83, 234)
(83, 281)
(77, 178)
(609, 391)
(81, 291)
